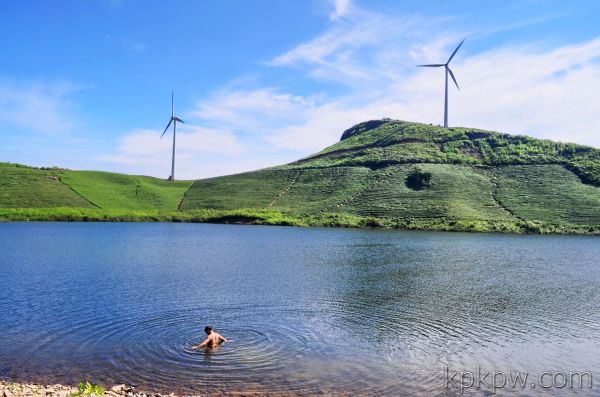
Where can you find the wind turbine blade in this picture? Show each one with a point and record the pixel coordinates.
(172, 104)
(433, 65)
(178, 119)
(166, 128)
(454, 53)
(453, 79)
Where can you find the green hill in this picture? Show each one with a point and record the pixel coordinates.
(118, 191)
(381, 173)
(26, 187)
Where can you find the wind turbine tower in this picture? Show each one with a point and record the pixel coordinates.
(174, 119)
(448, 71)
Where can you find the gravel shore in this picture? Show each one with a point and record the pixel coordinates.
(12, 389)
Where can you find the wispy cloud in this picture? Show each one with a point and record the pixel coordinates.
(270, 118)
(250, 111)
(525, 88)
(40, 107)
(549, 94)
(364, 48)
(340, 8)
(201, 152)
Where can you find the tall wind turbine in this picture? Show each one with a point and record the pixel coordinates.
(174, 119)
(448, 70)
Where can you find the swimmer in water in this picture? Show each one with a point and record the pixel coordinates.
(214, 339)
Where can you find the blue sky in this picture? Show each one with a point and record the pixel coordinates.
(86, 84)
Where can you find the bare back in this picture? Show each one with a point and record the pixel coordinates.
(214, 339)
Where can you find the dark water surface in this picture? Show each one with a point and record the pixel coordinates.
(309, 310)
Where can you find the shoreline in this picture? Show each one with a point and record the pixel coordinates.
(276, 218)
(27, 389)
(33, 389)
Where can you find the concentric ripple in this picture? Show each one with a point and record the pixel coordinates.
(154, 352)
(311, 312)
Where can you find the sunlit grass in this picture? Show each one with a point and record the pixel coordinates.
(387, 174)
(111, 190)
(276, 218)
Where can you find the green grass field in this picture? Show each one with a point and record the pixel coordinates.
(23, 187)
(468, 180)
(548, 193)
(455, 192)
(248, 190)
(118, 191)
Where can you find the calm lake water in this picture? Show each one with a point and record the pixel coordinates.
(308, 310)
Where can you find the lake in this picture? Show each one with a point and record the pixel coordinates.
(308, 310)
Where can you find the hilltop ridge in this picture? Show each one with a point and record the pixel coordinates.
(388, 173)
(378, 143)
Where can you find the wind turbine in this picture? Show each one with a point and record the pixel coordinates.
(174, 119)
(448, 70)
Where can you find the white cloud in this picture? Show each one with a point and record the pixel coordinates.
(40, 107)
(360, 28)
(250, 110)
(366, 48)
(201, 152)
(547, 94)
(527, 89)
(340, 8)
(276, 120)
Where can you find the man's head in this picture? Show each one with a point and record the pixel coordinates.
(208, 329)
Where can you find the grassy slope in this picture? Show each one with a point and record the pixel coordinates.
(456, 192)
(476, 175)
(548, 193)
(24, 187)
(397, 142)
(480, 181)
(118, 191)
(247, 190)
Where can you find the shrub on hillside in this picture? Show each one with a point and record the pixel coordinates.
(418, 179)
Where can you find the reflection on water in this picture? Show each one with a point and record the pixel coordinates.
(308, 310)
